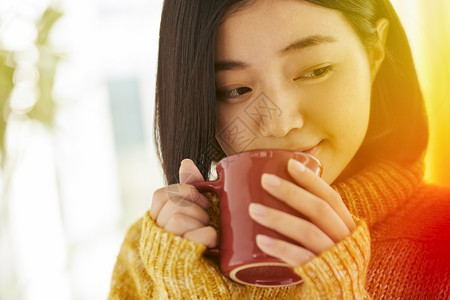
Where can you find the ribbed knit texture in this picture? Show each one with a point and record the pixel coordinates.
(404, 256)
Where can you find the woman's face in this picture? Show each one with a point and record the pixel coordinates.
(292, 75)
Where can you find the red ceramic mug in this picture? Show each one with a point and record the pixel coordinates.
(238, 185)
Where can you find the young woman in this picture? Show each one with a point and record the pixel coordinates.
(331, 78)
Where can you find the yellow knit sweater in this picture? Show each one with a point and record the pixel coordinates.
(399, 250)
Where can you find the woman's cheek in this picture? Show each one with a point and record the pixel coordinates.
(234, 131)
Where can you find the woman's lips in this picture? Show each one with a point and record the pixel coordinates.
(313, 150)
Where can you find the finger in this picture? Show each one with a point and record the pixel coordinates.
(179, 224)
(181, 194)
(178, 192)
(299, 230)
(171, 208)
(291, 254)
(317, 186)
(189, 172)
(315, 209)
(158, 201)
(204, 235)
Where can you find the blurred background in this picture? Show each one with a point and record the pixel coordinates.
(78, 163)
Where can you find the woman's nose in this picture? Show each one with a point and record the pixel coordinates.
(279, 113)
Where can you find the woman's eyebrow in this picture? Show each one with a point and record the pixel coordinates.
(300, 44)
(308, 41)
(229, 65)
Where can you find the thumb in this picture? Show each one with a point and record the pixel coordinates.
(189, 172)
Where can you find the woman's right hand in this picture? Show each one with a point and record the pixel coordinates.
(180, 208)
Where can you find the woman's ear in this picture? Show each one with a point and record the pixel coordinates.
(378, 49)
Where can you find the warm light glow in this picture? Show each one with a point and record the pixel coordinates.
(428, 27)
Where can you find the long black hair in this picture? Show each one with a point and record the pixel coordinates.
(185, 110)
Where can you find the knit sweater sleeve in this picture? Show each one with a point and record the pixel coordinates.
(340, 271)
(156, 264)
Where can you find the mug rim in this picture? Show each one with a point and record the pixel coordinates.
(264, 149)
(270, 150)
(247, 152)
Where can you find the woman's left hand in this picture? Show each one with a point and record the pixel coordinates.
(328, 219)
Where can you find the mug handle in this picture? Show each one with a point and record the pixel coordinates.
(215, 187)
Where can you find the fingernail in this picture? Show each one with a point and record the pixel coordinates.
(271, 180)
(264, 240)
(184, 160)
(298, 166)
(258, 209)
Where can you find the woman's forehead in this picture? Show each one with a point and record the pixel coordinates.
(274, 25)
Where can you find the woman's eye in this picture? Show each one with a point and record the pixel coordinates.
(317, 73)
(234, 93)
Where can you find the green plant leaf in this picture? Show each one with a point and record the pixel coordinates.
(6, 85)
(45, 24)
(44, 108)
